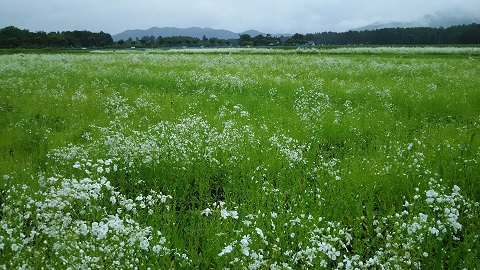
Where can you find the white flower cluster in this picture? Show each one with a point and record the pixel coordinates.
(446, 207)
(255, 244)
(220, 208)
(237, 110)
(181, 143)
(407, 155)
(291, 148)
(316, 242)
(68, 217)
(205, 79)
(311, 105)
(118, 107)
(414, 226)
(327, 243)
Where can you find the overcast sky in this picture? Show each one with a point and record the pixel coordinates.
(268, 16)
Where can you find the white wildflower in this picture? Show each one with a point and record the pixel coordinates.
(144, 244)
(431, 193)
(224, 213)
(410, 146)
(206, 212)
(156, 248)
(434, 231)
(423, 218)
(233, 214)
(227, 249)
(260, 232)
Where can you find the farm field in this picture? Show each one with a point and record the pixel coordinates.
(346, 158)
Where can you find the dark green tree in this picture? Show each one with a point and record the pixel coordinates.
(297, 39)
(245, 40)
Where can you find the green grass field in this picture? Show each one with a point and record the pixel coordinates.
(344, 158)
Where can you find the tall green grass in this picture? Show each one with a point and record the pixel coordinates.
(244, 160)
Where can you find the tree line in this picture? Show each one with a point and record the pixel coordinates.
(461, 34)
(175, 41)
(12, 37)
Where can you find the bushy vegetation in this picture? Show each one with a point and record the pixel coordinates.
(278, 160)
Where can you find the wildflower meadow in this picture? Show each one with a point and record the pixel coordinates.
(343, 158)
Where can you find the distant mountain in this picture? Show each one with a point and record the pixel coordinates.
(439, 19)
(190, 32)
(252, 33)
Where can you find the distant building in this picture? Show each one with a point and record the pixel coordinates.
(310, 43)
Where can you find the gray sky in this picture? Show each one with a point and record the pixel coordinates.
(268, 16)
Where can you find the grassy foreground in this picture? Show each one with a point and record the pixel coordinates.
(240, 159)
